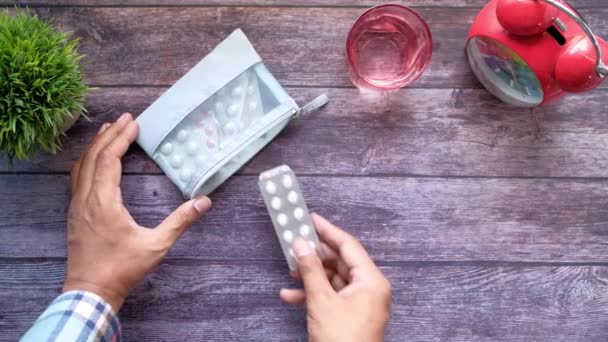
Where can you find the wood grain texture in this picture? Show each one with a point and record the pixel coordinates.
(307, 3)
(301, 46)
(439, 132)
(471, 257)
(190, 300)
(397, 219)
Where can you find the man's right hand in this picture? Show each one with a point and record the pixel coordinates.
(347, 297)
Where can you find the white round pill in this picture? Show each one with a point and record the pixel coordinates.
(287, 181)
(233, 110)
(230, 128)
(238, 91)
(176, 161)
(192, 147)
(182, 135)
(312, 244)
(185, 174)
(167, 149)
(250, 90)
(288, 235)
(292, 197)
(282, 219)
(275, 203)
(304, 230)
(298, 213)
(253, 105)
(271, 188)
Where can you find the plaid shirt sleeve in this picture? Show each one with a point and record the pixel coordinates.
(76, 316)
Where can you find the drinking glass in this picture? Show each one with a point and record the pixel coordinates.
(388, 47)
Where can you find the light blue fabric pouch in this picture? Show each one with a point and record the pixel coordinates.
(217, 117)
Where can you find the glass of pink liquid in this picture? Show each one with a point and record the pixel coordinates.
(388, 47)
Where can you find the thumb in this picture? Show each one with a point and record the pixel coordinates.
(311, 271)
(175, 224)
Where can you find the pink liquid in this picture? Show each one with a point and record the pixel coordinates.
(388, 47)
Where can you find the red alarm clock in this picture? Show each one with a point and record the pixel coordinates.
(531, 52)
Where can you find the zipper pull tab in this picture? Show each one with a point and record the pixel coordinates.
(312, 105)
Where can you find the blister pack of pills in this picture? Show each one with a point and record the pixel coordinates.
(217, 117)
(288, 211)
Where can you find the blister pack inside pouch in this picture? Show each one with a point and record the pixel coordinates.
(217, 117)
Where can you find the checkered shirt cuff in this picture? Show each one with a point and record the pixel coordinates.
(76, 316)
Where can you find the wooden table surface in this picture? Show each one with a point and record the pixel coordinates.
(490, 221)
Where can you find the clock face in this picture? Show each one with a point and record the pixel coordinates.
(504, 73)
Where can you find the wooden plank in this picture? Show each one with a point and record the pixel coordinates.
(190, 300)
(397, 219)
(307, 3)
(301, 46)
(439, 132)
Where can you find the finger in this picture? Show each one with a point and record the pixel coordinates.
(169, 231)
(103, 128)
(311, 270)
(329, 272)
(109, 168)
(338, 268)
(293, 296)
(121, 142)
(74, 176)
(76, 167)
(350, 250)
(89, 158)
(331, 256)
(337, 282)
(343, 270)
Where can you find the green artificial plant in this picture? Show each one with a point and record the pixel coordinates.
(41, 84)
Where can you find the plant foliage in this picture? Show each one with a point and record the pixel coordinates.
(41, 84)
